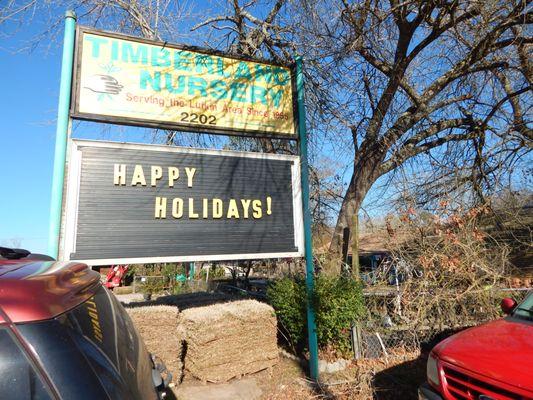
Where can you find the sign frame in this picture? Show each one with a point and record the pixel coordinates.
(68, 239)
(60, 159)
(75, 113)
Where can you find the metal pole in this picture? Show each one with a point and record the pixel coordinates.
(63, 121)
(191, 270)
(310, 273)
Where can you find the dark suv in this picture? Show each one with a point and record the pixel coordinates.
(64, 336)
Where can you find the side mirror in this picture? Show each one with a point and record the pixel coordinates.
(508, 305)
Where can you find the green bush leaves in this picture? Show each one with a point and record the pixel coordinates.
(288, 297)
(337, 301)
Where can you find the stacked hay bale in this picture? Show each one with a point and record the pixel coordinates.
(157, 325)
(229, 340)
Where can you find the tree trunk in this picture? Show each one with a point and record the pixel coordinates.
(348, 219)
(355, 245)
(366, 172)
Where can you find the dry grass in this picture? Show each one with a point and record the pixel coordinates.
(229, 340)
(397, 377)
(158, 327)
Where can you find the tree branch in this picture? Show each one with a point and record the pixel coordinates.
(407, 152)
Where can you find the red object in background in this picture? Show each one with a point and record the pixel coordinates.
(508, 305)
(115, 276)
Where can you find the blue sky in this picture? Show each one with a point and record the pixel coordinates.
(31, 84)
(29, 110)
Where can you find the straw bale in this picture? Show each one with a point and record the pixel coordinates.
(229, 340)
(157, 325)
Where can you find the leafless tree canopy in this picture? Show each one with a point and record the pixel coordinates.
(440, 86)
(448, 80)
(153, 19)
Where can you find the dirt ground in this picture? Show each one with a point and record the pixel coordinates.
(398, 377)
(395, 377)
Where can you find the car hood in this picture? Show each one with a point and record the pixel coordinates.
(501, 350)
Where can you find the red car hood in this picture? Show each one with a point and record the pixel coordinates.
(501, 350)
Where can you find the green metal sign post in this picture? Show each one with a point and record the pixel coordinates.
(62, 134)
(310, 273)
(63, 122)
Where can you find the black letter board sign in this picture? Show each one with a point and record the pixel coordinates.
(132, 203)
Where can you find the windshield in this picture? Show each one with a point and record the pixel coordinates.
(525, 309)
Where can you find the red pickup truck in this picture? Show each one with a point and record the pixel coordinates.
(493, 361)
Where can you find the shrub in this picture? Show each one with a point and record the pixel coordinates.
(337, 301)
(171, 271)
(288, 297)
(157, 277)
(461, 268)
(215, 272)
(153, 285)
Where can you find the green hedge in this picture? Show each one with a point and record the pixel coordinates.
(287, 296)
(337, 301)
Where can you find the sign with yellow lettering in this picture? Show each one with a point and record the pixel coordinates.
(127, 80)
(132, 203)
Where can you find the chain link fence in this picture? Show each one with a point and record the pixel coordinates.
(388, 330)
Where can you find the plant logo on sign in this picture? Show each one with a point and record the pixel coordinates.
(104, 85)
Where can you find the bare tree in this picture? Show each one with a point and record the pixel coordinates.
(153, 19)
(241, 32)
(420, 78)
(442, 86)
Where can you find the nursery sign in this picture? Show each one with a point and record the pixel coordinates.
(133, 81)
(131, 203)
